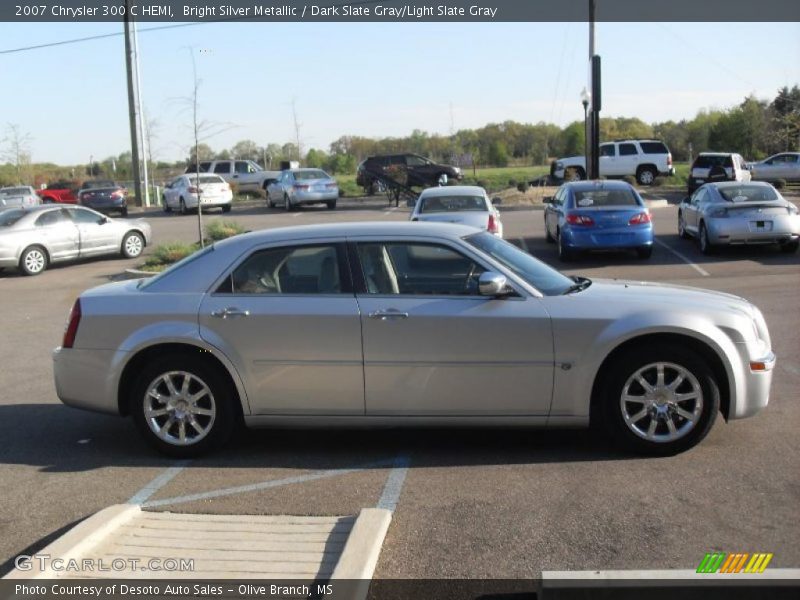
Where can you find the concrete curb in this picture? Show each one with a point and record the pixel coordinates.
(360, 555)
(81, 539)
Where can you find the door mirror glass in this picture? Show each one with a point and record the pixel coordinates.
(493, 284)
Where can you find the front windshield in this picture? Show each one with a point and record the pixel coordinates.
(541, 276)
(436, 204)
(9, 217)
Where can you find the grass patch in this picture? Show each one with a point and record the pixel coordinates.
(167, 254)
(220, 230)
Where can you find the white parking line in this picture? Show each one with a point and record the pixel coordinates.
(160, 481)
(684, 258)
(264, 485)
(394, 484)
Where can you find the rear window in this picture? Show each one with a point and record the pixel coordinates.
(207, 179)
(312, 174)
(9, 217)
(98, 184)
(602, 198)
(145, 283)
(748, 193)
(15, 191)
(713, 160)
(436, 204)
(654, 148)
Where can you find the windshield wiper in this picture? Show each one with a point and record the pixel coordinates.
(581, 283)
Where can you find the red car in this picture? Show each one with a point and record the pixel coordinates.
(62, 192)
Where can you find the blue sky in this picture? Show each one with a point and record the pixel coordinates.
(373, 79)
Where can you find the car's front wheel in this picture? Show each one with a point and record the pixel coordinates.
(132, 244)
(660, 399)
(682, 232)
(183, 405)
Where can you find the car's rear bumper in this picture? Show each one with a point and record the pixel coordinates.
(312, 197)
(607, 239)
(85, 379)
(733, 232)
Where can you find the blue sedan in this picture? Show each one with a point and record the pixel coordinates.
(598, 215)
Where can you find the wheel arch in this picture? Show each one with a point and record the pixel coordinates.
(701, 347)
(148, 353)
(135, 230)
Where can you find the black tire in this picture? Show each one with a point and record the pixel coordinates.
(331, 204)
(564, 253)
(225, 403)
(547, 236)
(790, 247)
(226, 208)
(165, 205)
(682, 233)
(287, 204)
(646, 175)
(33, 260)
(183, 209)
(608, 407)
(644, 252)
(132, 245)
(123, 211)
(706, 247)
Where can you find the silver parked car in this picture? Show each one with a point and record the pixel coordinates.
(33, 238)
(18, 195)
(303, 186)
(785, 165)
(734, 213)
(464, 204)
(181, 193)
(379, 324)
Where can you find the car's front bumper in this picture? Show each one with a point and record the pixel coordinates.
(756, 382)
(86, 379)
(616, 238)
(774, 230)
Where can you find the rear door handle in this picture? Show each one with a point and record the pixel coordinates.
(231, 311)
(384, 315)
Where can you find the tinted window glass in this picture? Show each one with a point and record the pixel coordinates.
(415, 161)
(310, 174)
(608, 150)
(418, 269)
(9, 217)
(223, 167)
(51, 217)
(653, 148)
(436, 204)
(83, 216)
(241, 167)
(600, 198)
(293, 270)
(708, 161)
(15, 191)
(193, 179)
(627, 150)
(748, 193)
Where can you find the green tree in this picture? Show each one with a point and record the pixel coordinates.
(497, 154)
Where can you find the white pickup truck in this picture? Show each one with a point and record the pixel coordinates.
(248, 176)
(643, 159)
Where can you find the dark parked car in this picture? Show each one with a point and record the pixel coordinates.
(104, 196)
(410, 169)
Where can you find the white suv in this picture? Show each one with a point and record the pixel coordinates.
(643, 159)
(248, 176)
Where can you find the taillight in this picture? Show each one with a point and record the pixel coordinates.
(193, 190)
(84, 196)
(301, 186)
(330, 186)
(640, 219)
(72, 325)
(492, 227)
(116, 194)
(584, 220)
(669, 160)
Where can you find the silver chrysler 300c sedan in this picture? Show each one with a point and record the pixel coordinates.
(407, 323)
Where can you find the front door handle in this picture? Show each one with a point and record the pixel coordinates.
(384, 315)
(231, 311)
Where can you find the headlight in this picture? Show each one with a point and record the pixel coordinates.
(792, 209)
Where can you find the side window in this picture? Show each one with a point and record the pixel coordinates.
(242, 167)
(222, 167)
(791, 159)
(291, 270)
(699, 196)
(558, 199)
(608, 150)
(51, 217)
(415, 161)
(627, 150)
(84, 216)
(417, 269)
(204, 167)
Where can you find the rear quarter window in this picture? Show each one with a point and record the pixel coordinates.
(654, 148)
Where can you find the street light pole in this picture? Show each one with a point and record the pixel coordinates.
(585, 97)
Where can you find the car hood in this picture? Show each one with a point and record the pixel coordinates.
(571, 159)
(473, 219)
(659, 296)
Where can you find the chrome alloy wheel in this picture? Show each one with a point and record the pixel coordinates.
(661, 402)
(133, 245)
(179, 408)
(34, 261)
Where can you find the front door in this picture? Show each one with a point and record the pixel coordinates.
(434, 347)
(287, 318)
(97, 236)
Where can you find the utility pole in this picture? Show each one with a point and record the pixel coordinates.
(140, 111)
(296, 129)
(593, 168)
(590, 121)
(137, 184)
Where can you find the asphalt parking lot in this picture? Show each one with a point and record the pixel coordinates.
(469, 503)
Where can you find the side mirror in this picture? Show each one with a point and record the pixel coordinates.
(547, 199)
(493, 284)
(102, 220)
(686, 200)
(497, 200)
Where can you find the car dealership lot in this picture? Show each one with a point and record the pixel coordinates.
(473, 503)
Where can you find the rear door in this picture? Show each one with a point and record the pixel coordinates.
(287, 317)
(434, 347)
(59, 234)
(628, 159)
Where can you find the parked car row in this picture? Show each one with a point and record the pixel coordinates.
(102, 195)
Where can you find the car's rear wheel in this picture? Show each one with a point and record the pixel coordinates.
(331, 204)
(33, 260)
(659, 399)
(547, 236)
(287, 204)
(165, 205)
(183, 405)
(706, 247)
(132, 244)
(790, 247)
(226, 208)
(182, 205)
(123, 211)
(646, 176)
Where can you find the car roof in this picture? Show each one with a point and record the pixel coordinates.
(716, 153)
(301, 169)
(598, 184)
(449, 190)
(364, 228)
(734, 184)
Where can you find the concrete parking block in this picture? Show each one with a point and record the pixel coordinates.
(220, 546)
